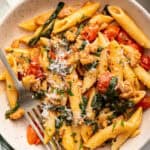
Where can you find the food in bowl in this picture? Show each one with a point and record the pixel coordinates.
(90, 72)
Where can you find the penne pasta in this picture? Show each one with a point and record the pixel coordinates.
(77, 138)
(29, 25)
(28, 81)
(111, 132)
(129, 26)
(3, 76)
(40, 20)
(132, 55)
(89, 80)
(49, 127)
(77, 17)
(100, 18)
(67, 138)
(89, 111)
(142, 75)
(103, 63)
(86, 132)
(11, 91)
(115, 58)
(129, 75)
(76, 97)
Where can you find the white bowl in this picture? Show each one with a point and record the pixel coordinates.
(15, 132)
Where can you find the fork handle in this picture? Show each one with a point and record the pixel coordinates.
(17, 83)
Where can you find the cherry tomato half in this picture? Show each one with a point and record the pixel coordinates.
(90, 32)
(111, 32)
(144, 103)
(123, 38)
(36, 70)
(32, 137)
(104, 81)
(145, 62)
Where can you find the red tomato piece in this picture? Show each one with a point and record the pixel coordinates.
(104, 81)
(136, 46)
(52, 55)
(90, 32)
(112, 32)
(144, 103)
(32, 137)
(145, 62)
(35, 69)
(123, 38)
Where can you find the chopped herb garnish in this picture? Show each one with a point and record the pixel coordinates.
(111, 89)
(75, 141)
(98, 52)
(65, 115)
(91, 123)
(58, 122)
(122, 123)
(46, 48)
(97, 103)
(79, 29)
(39, 94)
(110, 118)
(114, 125)
(73, 134)
(9, 86)
(60, 92)
(11, 111)
(92, 65)
(81, 146)
(11, 51)
(69, 89)
(84, 43)
(83, 105)
(26, 59)
(83, 17)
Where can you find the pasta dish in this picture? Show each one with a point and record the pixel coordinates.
(90, 71)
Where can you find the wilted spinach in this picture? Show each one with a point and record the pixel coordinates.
(84, 43)
(111, 100)
(65, 115)
(91, 123)
(83, 105)
(98, 52)
(39, 94)
(69, 92)
(91, 65)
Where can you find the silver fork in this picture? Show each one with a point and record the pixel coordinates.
(31, 106)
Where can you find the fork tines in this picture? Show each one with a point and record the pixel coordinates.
(35, 120)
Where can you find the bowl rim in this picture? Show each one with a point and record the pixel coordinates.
(12, 9)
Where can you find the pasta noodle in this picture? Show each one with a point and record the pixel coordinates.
(115, 58)
(84, 13)
(101, 136)
(89, 80)
(129, 26)
(76, 97)
(67, 140)
(103, 63)
(142, 75)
